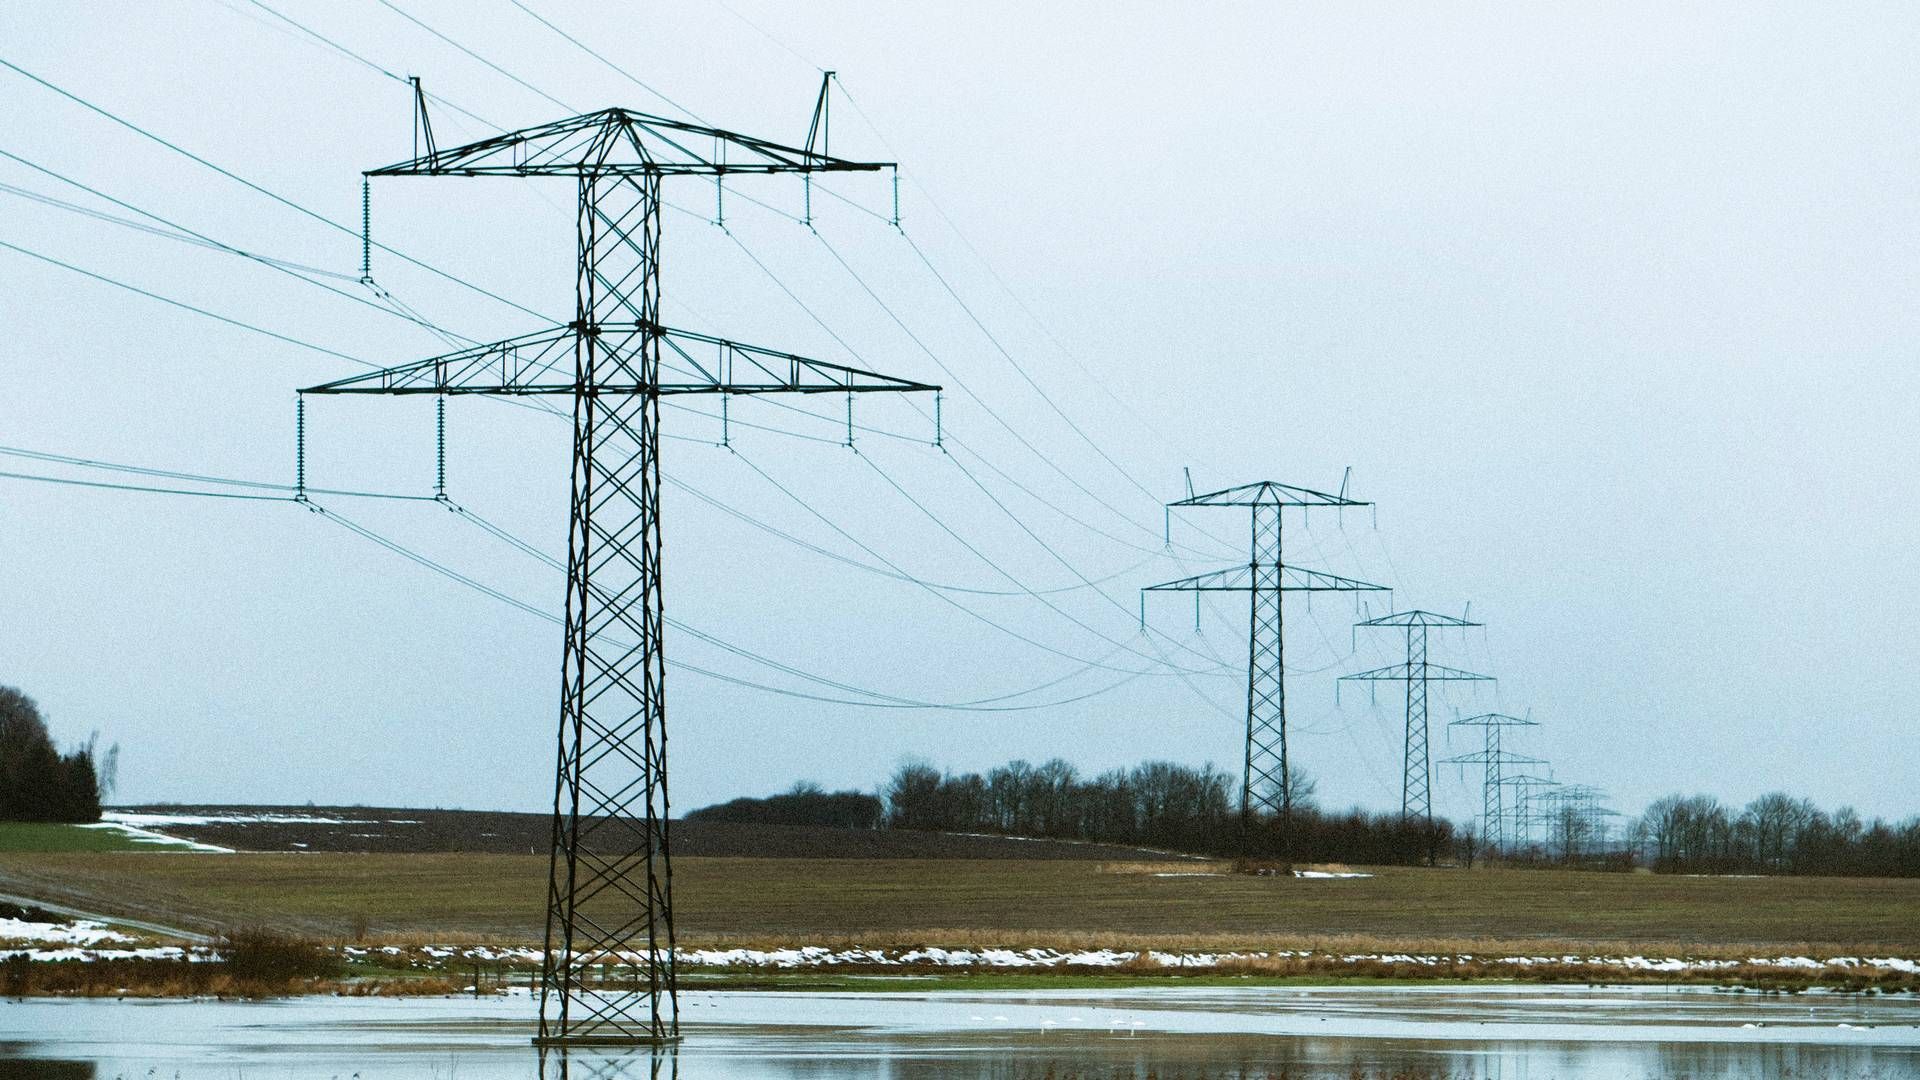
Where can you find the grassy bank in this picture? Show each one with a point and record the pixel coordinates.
(880, 903)
(36, 837)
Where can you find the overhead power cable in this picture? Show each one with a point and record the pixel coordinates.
(229, 320)
(288, 491)
(942, 597)
(989, 704)
(350, 54)
(748, 654)
(150, 489)
(397, 10)
(153, 230)
(980, 258)
(623, 72)
(881, 571)
(1043, 457)
(275, 196)
(1003, 572)
(304, 274)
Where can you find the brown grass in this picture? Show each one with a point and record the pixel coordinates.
(499, 900)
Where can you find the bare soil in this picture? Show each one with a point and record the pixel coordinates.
(410, 831)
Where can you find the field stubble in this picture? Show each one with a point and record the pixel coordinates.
(478, 898)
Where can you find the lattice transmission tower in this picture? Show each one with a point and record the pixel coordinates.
(1416, 777)
(609, 973)
(1494, 759)
(1264, 781)
(1528, 789)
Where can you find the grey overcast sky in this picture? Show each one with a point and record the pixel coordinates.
(1608, 306)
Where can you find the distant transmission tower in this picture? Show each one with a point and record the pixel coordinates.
(1495, 760)
(609, 972)
(1529, 791)
(1416, 781)
(1574, 819)
(1264, 780)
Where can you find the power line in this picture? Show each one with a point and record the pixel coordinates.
(390, 6)
(276, 197)
(146, 488)
(942, 597)
(737, 650)
(229, 320)
(881, 571)
(185, 233)
(998, 279)
(152, 230)
(1002, 571)
(350, 54)
(193, 477)
(628, 75)
(988, 409)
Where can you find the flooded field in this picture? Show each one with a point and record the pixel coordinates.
(1507, 1032)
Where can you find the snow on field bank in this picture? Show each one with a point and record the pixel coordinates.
(1320, 875)
(82, 940)
(161, 821)
(143, 828)
(81, 932)
(85, 941)
(816, 956)
(140, 829)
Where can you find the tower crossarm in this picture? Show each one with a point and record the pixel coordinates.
(621, 142)
(1269, 493)
(1494, 720)
(1418, 618)
(543, 363)
(1241, 579)
(1403, 672)
(1494, 757)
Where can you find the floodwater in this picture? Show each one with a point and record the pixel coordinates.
(1405, 1033)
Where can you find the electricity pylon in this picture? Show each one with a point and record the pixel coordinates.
(1527, 791)
(1264, 779)
(610, 894)
(1416, 777)
(1495, 760)
(1574, 818)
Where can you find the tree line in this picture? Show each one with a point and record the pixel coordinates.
(1158, 804)
(1776, 833)
(1196, 810)
(805, 804)
(37, 781)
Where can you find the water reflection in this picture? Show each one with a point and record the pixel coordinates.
(1461, 1033)
(593, 1063)
(1177, 1057)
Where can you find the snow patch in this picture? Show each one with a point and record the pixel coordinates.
(147, 836)
(163, 820)
(82, 932)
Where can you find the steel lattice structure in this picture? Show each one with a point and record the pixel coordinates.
(609, 974)
(1266, 578)
(1527, 788)
(1416, 779)
(1494, 761)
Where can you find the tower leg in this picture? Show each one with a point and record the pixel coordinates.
(1264, 783)
(1491, 826)
(1416, 788)
(609, 974)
